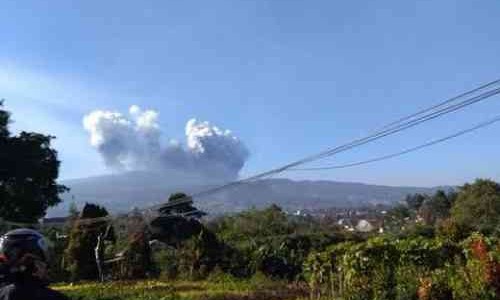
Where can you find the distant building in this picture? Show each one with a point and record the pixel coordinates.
(364, 226)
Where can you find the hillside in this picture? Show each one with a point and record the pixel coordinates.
(120, 193)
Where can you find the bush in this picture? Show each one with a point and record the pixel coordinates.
(80, 256)
(410, 268)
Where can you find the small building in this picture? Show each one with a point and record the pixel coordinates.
(364, 226)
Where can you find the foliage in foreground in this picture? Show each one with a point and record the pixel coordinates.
(411, 268)
(29, 167)
(80, 258)
(217, 287)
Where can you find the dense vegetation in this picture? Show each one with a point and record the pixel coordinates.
(428, 251)
(28, 171)
(441, 246)
(215, 288)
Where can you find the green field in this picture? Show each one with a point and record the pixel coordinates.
(163, 290)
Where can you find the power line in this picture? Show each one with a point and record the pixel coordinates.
(401, 126)
(453, 99)
(356, 143)
(394, 127)
(398, 126)
(393, 155)
(381, 134)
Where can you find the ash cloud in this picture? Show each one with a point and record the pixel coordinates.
(132, 142)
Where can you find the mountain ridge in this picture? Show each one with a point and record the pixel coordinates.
(123, 192)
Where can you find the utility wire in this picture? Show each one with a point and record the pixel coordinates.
(402, 126)
(453, 99)
(383, 133)
(393, 155)
(399, 126)
(392, 128)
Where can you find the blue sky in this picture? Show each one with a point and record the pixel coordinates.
(289, 78)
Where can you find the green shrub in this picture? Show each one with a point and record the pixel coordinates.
(79, 255)
(383, 268)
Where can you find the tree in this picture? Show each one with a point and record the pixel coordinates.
(197, 249)
(138, 261)
(28, 171)
(178, 220)
(397, 217)
(477, 205)
(437, 207)
(253, 224)
(4, 122)
(181, 204)
(199, 255)
(415, 201)
(80, 256)
(73, 210)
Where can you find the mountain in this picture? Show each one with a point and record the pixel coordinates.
(123, 192)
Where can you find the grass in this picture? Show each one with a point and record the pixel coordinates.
(215, 289)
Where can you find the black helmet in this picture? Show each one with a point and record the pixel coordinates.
(17, 243)
(24, 255)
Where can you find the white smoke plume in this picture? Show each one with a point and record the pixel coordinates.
(132, 142)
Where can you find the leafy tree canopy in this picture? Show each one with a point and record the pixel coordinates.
(28, 171)
(181, 204)
(437, 207)
(415, 201)
(478, 205)
(80, 257)
(177, 221)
